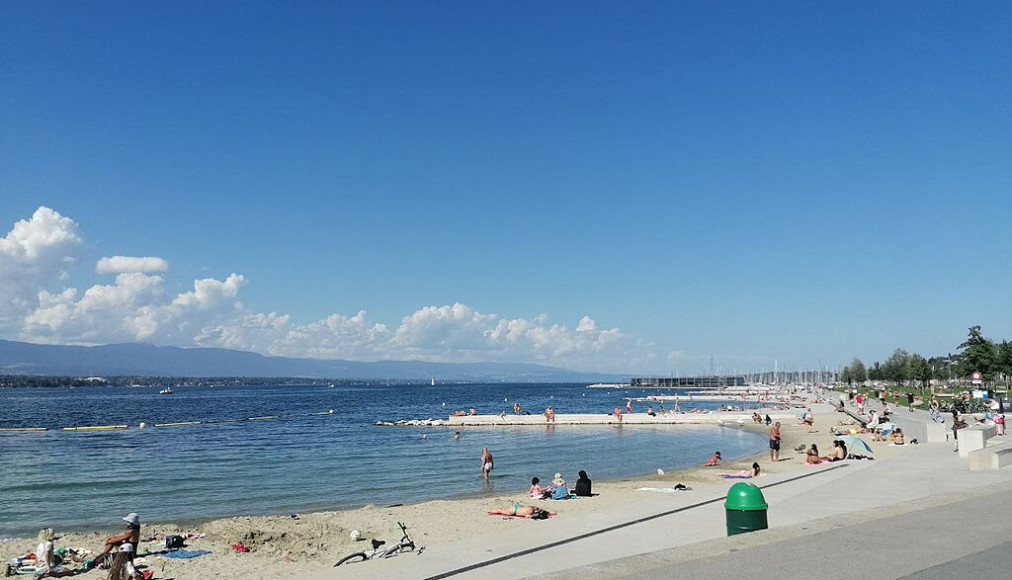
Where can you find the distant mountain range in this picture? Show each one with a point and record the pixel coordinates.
(146, 360)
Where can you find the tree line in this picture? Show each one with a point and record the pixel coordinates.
(977, 353)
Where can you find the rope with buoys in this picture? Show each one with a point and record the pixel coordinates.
(145, 425)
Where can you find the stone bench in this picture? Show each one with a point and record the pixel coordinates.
(991, 456)
(924, 431)
(974, 438)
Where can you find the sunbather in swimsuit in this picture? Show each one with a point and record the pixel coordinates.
(522, 511)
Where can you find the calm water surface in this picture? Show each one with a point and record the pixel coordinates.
(297, 463)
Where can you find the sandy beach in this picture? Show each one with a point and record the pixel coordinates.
(295, 545)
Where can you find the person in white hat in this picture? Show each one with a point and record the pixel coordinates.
(131, 536)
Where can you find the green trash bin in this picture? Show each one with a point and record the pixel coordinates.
(746, 509)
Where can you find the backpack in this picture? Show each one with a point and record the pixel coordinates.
(173, 542)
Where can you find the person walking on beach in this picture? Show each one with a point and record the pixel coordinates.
(487, 463)
(775, 442)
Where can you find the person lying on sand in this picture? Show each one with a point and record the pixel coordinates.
(517, 510)
(744, 473)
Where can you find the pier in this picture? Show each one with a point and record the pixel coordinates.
(706, 418)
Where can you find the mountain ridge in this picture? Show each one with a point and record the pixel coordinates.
(144, 359)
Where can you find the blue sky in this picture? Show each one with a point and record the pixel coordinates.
(615, 186)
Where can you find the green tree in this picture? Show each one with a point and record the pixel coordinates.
(978, 354)
(921, 370)
(1005, 360)
(875, 372)
(846, 376)
(897, 367)
(857, 371)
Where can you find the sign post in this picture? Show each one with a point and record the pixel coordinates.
(976, 378)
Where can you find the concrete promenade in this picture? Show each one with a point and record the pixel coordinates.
(921, 509)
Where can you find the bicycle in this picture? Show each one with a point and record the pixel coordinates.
(405, 545)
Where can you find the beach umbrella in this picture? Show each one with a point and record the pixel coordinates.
(855, 443)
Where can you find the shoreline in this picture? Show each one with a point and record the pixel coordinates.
(185, 522)
(287, 545)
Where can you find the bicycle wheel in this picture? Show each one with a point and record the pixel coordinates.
(352, 558)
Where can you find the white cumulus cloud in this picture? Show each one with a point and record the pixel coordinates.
(33, 255)
(38, 305)
(121, 264)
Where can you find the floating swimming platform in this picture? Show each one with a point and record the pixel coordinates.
(96, 428)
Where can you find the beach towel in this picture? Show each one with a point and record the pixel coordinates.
(186, 554)
(550, 514)
(736, 476)
(662, 489)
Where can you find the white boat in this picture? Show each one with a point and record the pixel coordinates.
(165, 391)
(433, 382)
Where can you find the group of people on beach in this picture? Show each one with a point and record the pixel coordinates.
(839, 453)
(117, 555)
(558, 489)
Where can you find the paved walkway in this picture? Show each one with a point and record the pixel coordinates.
(814, 507)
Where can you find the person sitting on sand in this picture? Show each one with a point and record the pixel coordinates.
(583, 485)
(131, 536)
(713, 460)
(48, 563)
(813, 456)
(559, 488)
(837, 454)
(520, 511)
(536, 492)
(122, 566)
(806, 418)
(898, 437)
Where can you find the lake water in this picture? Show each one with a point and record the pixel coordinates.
(298, 463)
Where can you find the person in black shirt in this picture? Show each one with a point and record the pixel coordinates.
(583, 485)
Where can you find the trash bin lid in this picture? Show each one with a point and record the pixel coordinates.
(745, 496)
